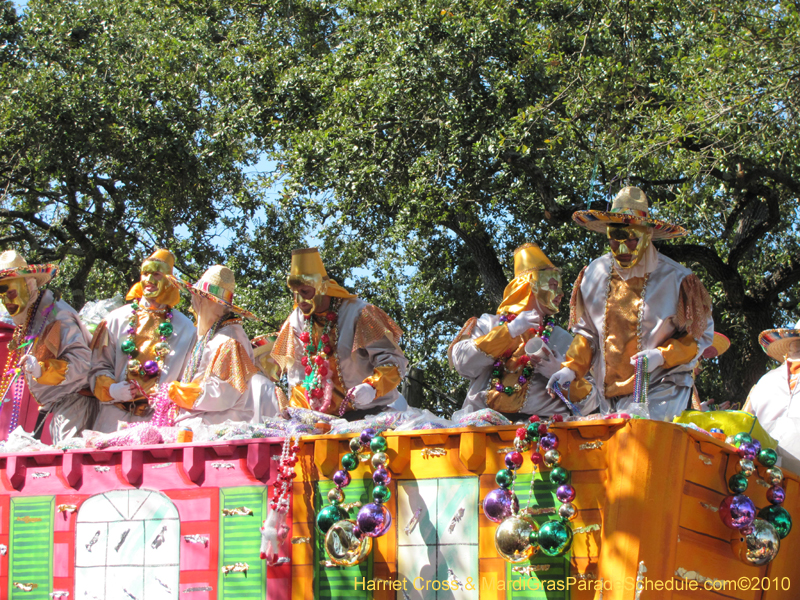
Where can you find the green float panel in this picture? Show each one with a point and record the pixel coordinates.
(548, 583)
(338, 582)
(240, 542)
(31, 551)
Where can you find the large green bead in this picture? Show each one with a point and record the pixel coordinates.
(742, 438)
(778, 517)
(381, 494)
(768, 457)
(165, 329)
(532, 430)
(504, 478)
(559, 476)
(128, 346)
(330, 515)
(350, 462)
(737, 483)
(508, 390)
(378, 444)
(555, 538)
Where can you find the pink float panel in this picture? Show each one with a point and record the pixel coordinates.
(189, 475)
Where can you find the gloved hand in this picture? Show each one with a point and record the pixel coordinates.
(31, 366)
(562, 377)
(654, 358)
(525, 320)
(363, 394)
(121, 392)
(549, 365)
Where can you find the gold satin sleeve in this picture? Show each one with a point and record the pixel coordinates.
(184, 394)
(579, 356)
(678, 351)
(298, 397)
(384, 379)
(101, 388)
(54, 371)
(579, 389)
(496, 342)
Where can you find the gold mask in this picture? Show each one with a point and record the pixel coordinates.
(625, 256)
(153, 272)
(298, 299)
(549, 293)
(14, 294)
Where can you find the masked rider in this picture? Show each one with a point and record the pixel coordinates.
(634, 303)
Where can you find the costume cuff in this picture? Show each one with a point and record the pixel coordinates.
(101, 388)
(184, 394)
(579, 389)
(579, 357)
(298, 398)
(54, 371)
(678, 351)
(384, 379)
(496, 342)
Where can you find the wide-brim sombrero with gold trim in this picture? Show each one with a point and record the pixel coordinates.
(777, 342)
(718, 347)
(628, 208)
(12, 265)
(216, 284)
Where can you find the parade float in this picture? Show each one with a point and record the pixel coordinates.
(645, 508)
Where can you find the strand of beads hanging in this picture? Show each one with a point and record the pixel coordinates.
(282, 490)
(150, 368)
(499, 368)
(518, 537)
(348, 542)
(757, 533)
(641, 382)
(318, 382)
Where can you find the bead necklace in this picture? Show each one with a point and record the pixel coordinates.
(150, 368)
(760, 532)
(164, 410)
(641, 382)
(282, 490)
(318, 382)
(373, 519)
(518, 537)
(523, 364)
(197, 352)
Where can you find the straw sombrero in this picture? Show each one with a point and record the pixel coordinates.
(218, 285)
(628, 208)
(718, 347)
(12, 264)
(776, 342)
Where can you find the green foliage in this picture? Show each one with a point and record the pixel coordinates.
(418, 142)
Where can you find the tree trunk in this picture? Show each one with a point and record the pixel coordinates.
(480, 246)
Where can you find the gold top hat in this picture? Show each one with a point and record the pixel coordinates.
(528, 258)
(308, 262)
(307, 269)
(529, 262)
(217, 284)
(629, 207)
(13, 264)
(164, 256)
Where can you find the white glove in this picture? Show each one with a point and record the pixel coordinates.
(654, 358)
(562, 377)
(525, 320)
(121, 392)
(548, 366)
(270, 542)
(363, 394)
(31, 366)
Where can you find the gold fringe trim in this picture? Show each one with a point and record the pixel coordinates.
(232, 365)
(373, 324)
(576, 301)
(694, 307)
